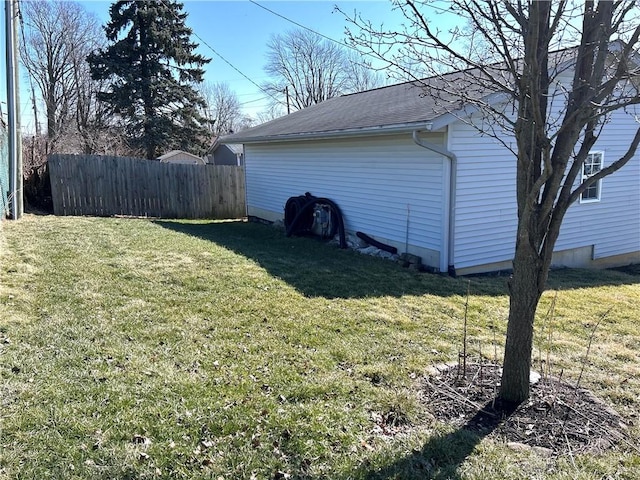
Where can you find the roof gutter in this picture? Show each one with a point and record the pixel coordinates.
(446, 259)
(347, 132)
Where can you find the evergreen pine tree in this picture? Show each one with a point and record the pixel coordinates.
(151, 68)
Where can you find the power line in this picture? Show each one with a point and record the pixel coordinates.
(252, 101)
(224, 59)
(304, 27)
(33, 90)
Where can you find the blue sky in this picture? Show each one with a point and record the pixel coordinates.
(239, 30)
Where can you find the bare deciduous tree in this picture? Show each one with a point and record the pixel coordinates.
(271, 113)
(308, 69)
(58, 37)
(360, 74)
(222, 111)
(546, 74)
(94, 125)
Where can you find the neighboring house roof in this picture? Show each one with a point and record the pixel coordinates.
(234, 147)
(180, 156)
(225, 154)
(214, 145)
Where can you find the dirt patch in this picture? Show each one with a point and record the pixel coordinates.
(558, 418)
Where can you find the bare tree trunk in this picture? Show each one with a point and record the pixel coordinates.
(525, 287)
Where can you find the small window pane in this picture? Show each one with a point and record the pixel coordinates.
(591, 193)
(592, 165)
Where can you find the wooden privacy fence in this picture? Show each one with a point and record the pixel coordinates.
(105, 185)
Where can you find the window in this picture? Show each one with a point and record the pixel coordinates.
(592, 165)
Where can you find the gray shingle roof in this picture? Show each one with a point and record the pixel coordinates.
(411, 104)
(401, 104)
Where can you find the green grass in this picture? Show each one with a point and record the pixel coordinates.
(140, 349)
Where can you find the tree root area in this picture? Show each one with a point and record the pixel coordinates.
(557, 419)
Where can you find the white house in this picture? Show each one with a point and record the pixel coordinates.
(405, 170)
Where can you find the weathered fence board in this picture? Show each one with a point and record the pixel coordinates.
(104, 186)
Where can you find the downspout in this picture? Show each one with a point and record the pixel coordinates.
(446, 260)
(246, 190)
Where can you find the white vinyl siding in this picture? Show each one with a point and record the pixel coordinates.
(372, 180)
(611, 225)
(485, 213)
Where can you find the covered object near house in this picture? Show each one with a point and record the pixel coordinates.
(406, 168)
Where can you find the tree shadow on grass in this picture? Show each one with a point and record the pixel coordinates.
(441, 457)
(318, 269)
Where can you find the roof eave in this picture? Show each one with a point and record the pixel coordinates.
(344, 133)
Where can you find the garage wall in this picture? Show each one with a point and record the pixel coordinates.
(373, 180)
(486, 210)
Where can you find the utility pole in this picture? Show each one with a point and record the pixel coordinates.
(13, 107)
(35, 110)
(286, 92)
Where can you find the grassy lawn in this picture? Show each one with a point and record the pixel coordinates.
(134, 349)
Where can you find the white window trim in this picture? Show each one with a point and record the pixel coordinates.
(598, 184)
